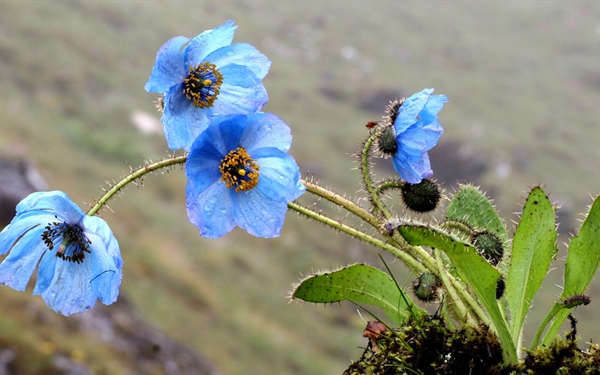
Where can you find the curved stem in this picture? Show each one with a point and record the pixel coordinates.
(364, 162)
(410, 262)
(341, 201)
(551, 314)
(134, 175)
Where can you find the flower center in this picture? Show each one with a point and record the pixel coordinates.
(71, 240)
(202, 85)
(239, 170)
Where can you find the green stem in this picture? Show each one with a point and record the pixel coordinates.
(458, 306)
(410, 262)
(456, 225)
(134, 175)
(375, 201)
(551, 314)
(341, 201)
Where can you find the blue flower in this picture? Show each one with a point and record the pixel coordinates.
(239, 174)
(417, 130)
(80, 257)
(203, 77)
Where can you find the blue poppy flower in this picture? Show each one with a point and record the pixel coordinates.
(239, 174)
(79, 258)
(417, 131)
(203, 77)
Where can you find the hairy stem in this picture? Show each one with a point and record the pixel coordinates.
(410, 262)
(134, 175)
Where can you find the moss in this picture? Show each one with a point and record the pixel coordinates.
(427, 346)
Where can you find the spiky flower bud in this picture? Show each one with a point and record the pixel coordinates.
(500, 286)
(422, 197)
(386, 143)
(489, 245)
(391, 111)
(425, 287)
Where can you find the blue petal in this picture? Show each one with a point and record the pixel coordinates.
(239, 75)
(106, 272)
(409, 110)
(241, 54)
(257, 214)
(209, 41)
(51, 202)
(69, 291)
(279, 175)
(422, 138)
(227, 133)
(201, 172)
(95, 226)
(413, 168)
(169, 68)
(266, 130)
(26, 248)
(46, 272)
(431, 109)
(211, 210)
(240, 100)
(183, 122)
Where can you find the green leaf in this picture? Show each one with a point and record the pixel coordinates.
(534, 248)
(583, 259)
(584, 254)
(358, 283)
(472, 268)
(470, 206)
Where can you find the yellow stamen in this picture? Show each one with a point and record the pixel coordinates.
(239, 170)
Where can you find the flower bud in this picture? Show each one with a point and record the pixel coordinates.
(386, 143)
(490, 246)
(422, 197)
(425, 287)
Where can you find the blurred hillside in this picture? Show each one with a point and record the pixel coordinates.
(524, 87)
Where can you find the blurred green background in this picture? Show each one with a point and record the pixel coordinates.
(523, 83)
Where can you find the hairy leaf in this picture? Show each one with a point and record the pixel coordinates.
(361, 284)
(534, 248)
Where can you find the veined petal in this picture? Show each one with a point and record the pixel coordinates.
(413, 170)
(239, 75)
(241, 54)
(279, 175)
(431, 109)
(240, 100)
(69, 291)
(266, 130)
(25, 252)
(105, 277)
(409, 110)
(208, 42)
(98, 228)
(182, 121)
(55, 203)
(211, 210)
(258, 215)
(201, 174)
(169, 68)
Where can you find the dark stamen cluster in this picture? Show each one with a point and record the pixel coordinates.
(202, 85)
(73, 244)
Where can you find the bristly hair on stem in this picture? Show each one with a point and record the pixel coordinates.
(136, 176)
